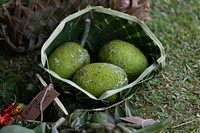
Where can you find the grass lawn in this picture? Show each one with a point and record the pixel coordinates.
(174, 91)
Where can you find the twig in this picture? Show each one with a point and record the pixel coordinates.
(166, 78)
(188, 122)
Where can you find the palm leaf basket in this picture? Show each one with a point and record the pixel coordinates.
(26, 24)
(106, 25)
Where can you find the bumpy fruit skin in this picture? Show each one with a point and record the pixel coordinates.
(67, 59)
(97, 78)
(124, 55)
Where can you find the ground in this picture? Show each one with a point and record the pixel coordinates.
(174, 91)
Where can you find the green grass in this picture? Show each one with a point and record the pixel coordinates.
(174, 91)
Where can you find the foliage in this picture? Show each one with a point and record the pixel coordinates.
(39, 128)
(122, 119)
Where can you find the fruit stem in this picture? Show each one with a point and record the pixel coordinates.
(86, 31)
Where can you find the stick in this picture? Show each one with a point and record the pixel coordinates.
(86, 31)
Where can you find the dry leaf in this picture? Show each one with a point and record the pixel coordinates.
(139, 120)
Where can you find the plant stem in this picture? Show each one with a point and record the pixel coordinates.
(86, 31)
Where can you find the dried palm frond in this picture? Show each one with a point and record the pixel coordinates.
(25, 25)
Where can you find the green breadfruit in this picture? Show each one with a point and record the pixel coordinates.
(97, 78)
(67, 59)
(124, 55)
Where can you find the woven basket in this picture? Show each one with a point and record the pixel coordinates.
(25, 25)
(106, 25)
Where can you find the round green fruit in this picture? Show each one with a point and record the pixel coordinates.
(67, 59)
(97, 78)
(124, 55)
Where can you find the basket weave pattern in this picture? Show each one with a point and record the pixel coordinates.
(25, 25)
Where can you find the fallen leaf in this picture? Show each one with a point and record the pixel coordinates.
(139, 120)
